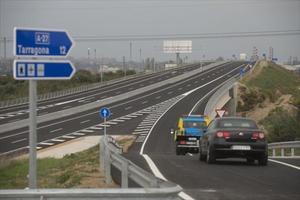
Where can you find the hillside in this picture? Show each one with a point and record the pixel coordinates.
(270, 95)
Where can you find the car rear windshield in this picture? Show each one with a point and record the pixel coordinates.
(194, 124)
(237, 123)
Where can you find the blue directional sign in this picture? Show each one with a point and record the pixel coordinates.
(41, 42)
(274, 59)
(42, 70)
(104, 112)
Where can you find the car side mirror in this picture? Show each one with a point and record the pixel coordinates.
(172, 131)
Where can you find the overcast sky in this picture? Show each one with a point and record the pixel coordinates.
(114, 18)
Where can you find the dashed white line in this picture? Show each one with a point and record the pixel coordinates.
(144, 102)
(21, 140)
(111, 123)
(118, 120)
(96, 128)
(87, 131)
(104, 125)
(129, 107)
(286, 164)
(126, 118)
(79, 134)
(85, 121)
(59, 129)
(170, 92)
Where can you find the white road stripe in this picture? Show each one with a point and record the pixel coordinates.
(46, 143)
(158, 97)
(126, 118)
(170, 92)
(85, 121)
(118, 120)
(38, 148)
(56, 130)
(10, 115)
(129, 107)
(2, 117)
(57, 140)
(68, 136)
(77, 133)
(20, 113)
(111, 123)
(144, 102)
(104, 125)
(87, 131)
(96, 128)
(286, 164)
(131, 116)
(21, 140)
(138, 114)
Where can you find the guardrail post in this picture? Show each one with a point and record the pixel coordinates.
(274, 152)
(101, 153)
(292, 152)
(282, 152)
(125, 174)
(108, 179)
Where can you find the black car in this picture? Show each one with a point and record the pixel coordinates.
(234, 137)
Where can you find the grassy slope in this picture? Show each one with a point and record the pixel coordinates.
(69, 171)
(272, 78)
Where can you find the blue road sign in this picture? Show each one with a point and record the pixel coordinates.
(104, 112)
(41, 42)
(274, 59)
(242, 71)
(43, 70)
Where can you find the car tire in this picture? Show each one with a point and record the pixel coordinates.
(210, 157)
(263, 160)
(250, 160)
(202, 157)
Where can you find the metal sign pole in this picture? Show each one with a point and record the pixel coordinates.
(105, 128)
(32, 134)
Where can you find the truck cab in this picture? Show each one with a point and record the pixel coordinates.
(190, 129)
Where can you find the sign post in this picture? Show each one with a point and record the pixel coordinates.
(34, 44)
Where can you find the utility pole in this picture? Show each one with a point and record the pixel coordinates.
(4, 40)
(130, 58)
(124, 67)
(141, 58)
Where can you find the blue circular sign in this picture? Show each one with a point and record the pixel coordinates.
(104, 112)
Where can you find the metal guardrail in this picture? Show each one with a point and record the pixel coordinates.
(283, 146)
(52, 95)
(152, 187)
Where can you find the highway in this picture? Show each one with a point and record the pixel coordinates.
(227, 179)
(127, 112)
(19, 112)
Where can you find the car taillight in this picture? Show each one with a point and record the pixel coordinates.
(182, 142)
(223, 134)
(258, 135)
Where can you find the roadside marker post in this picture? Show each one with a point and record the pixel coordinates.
(104, 156)
(33, 44)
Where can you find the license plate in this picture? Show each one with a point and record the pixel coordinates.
(192, 139)
(241, 147)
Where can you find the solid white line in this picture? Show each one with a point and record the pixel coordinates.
(65, 102)
(14, 142)
(153, 167)
(55, 130)
(118, 120)
(126, 118)
(85, 121)
(104, 125)
(111, 123)
(286, 164)
(131, 116)
(20, 113)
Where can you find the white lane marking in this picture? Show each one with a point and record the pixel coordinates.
(10, 115)
(158, 97)
(193, 90)
(188, 85)
(170, 92)
(137, 114)
(153, 167)
(87, 131)
(138, 133)
(185, 196)
(68, 136)
(118, 120)
(96, 112)
(129, 107)
(96, 128)
(283, 163)
(77, 133)
(46, 143)
(111, 123)
(20, 113)
(85, 121)
(21, 140)
(57, 140)
(132, 116)
(65, 102)
(144, 102)
(43, 107)
(195, 81)
(104, 125)
(126, 118)
(2, 117)
(37, 148)
(59, 129)
(104, 99)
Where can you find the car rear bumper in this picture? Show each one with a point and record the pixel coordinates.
(225, 150)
